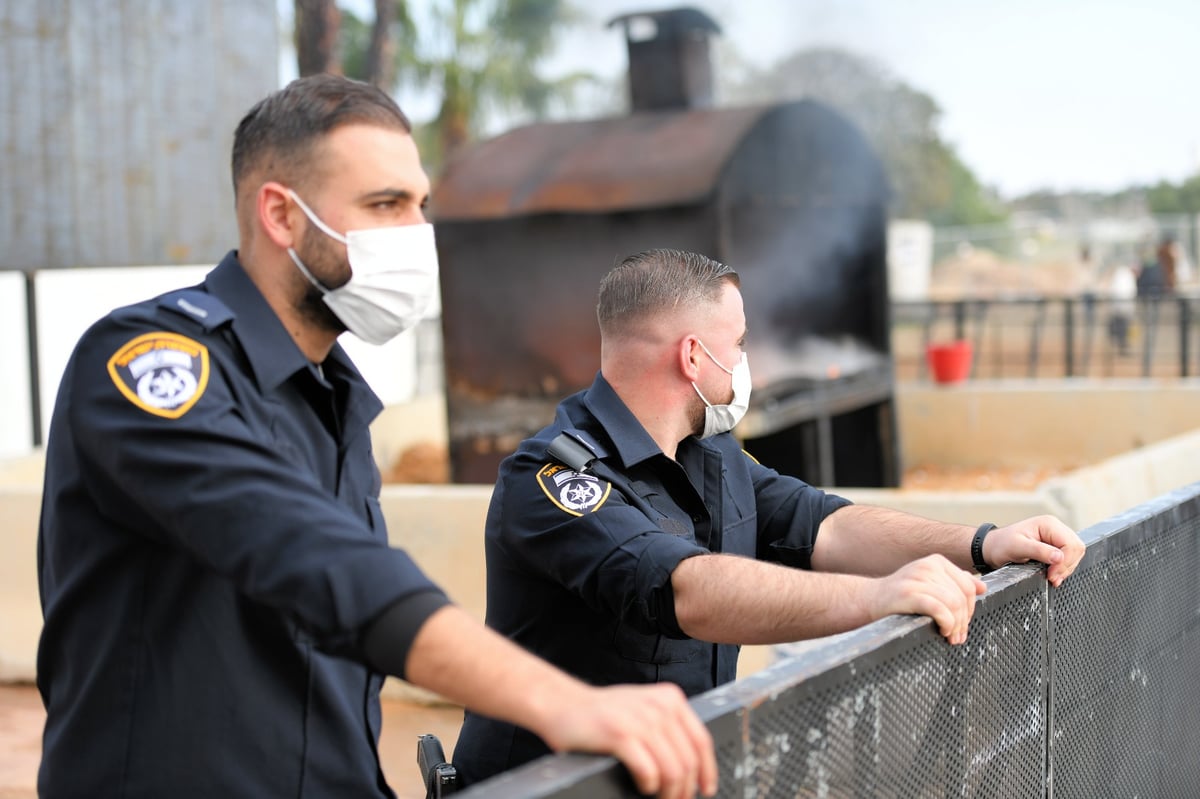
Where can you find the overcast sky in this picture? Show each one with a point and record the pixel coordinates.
(1093, 94)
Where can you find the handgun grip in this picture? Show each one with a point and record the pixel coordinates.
(440, 777)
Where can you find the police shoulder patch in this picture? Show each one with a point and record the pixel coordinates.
(574, 492)
(162, 373)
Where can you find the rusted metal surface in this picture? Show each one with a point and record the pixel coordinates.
(789, 195)
(648, 160)
(518, 316)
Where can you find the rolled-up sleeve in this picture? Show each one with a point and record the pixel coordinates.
(790, 512)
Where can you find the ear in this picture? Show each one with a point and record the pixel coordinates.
(688, 357)
(277, 214)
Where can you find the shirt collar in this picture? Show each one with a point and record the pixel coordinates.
(270, 349)
(629, 438)
(273, 354)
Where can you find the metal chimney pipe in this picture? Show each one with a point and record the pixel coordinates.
(670, 66)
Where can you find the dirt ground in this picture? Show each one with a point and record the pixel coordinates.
(949, 478)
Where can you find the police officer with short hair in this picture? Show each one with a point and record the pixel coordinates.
(220, 600)
(633, 540)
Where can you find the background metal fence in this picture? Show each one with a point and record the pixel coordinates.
(1049, 337)
(1084, 690)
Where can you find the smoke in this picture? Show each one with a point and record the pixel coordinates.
(813, 358)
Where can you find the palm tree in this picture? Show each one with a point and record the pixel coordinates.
(317, 23)
(481, 55)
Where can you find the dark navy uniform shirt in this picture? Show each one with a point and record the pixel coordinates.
(579, 563)
(211, 547)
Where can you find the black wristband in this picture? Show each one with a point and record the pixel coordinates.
(981, 565)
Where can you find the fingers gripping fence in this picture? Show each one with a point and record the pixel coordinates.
(1091, 689)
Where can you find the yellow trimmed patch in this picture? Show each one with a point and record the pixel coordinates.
(162, 373)
(572, 491)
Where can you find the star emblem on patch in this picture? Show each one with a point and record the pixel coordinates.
(168, 386)
(162, 373)
(575, 492)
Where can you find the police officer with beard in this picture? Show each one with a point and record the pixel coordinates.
(220, 600)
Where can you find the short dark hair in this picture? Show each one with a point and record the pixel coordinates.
(657, 280)
(281, 130)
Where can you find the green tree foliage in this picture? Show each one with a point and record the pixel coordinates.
(1171, 198)
(354, 39)
(929, 180)
(966, 201)
(481, 56)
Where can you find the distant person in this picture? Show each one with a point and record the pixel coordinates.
(221, 603)
(1183, 267)
(1168, 259)
(1087, 266)
(1122, 292)
(633, 540)
(1151, 277)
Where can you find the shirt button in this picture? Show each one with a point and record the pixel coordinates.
(697, 518)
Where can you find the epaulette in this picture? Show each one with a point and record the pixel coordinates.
(569, 480)
(199, 306)
(575, 449)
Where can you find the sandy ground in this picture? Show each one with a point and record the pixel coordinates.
(930, 477)
(21, 719)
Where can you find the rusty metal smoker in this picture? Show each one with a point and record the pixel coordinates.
(788, 194)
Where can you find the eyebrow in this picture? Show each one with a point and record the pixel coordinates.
(393, 194)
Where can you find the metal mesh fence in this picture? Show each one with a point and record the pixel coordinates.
(1126, 666)
(911, 717)
(1086, 690)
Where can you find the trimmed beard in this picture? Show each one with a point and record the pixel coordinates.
(696, 416)
(698, 411)
(322, 261)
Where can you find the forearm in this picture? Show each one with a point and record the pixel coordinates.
(649, 728)
(462, 660)
(735, 600)
(860, 539)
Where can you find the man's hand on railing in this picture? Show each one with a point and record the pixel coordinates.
(931, 586)
(649, 728)
(1044, 539)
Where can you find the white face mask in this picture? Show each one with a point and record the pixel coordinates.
(393, 277)
(723, 418)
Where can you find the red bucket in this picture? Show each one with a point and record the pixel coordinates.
(950, 363)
